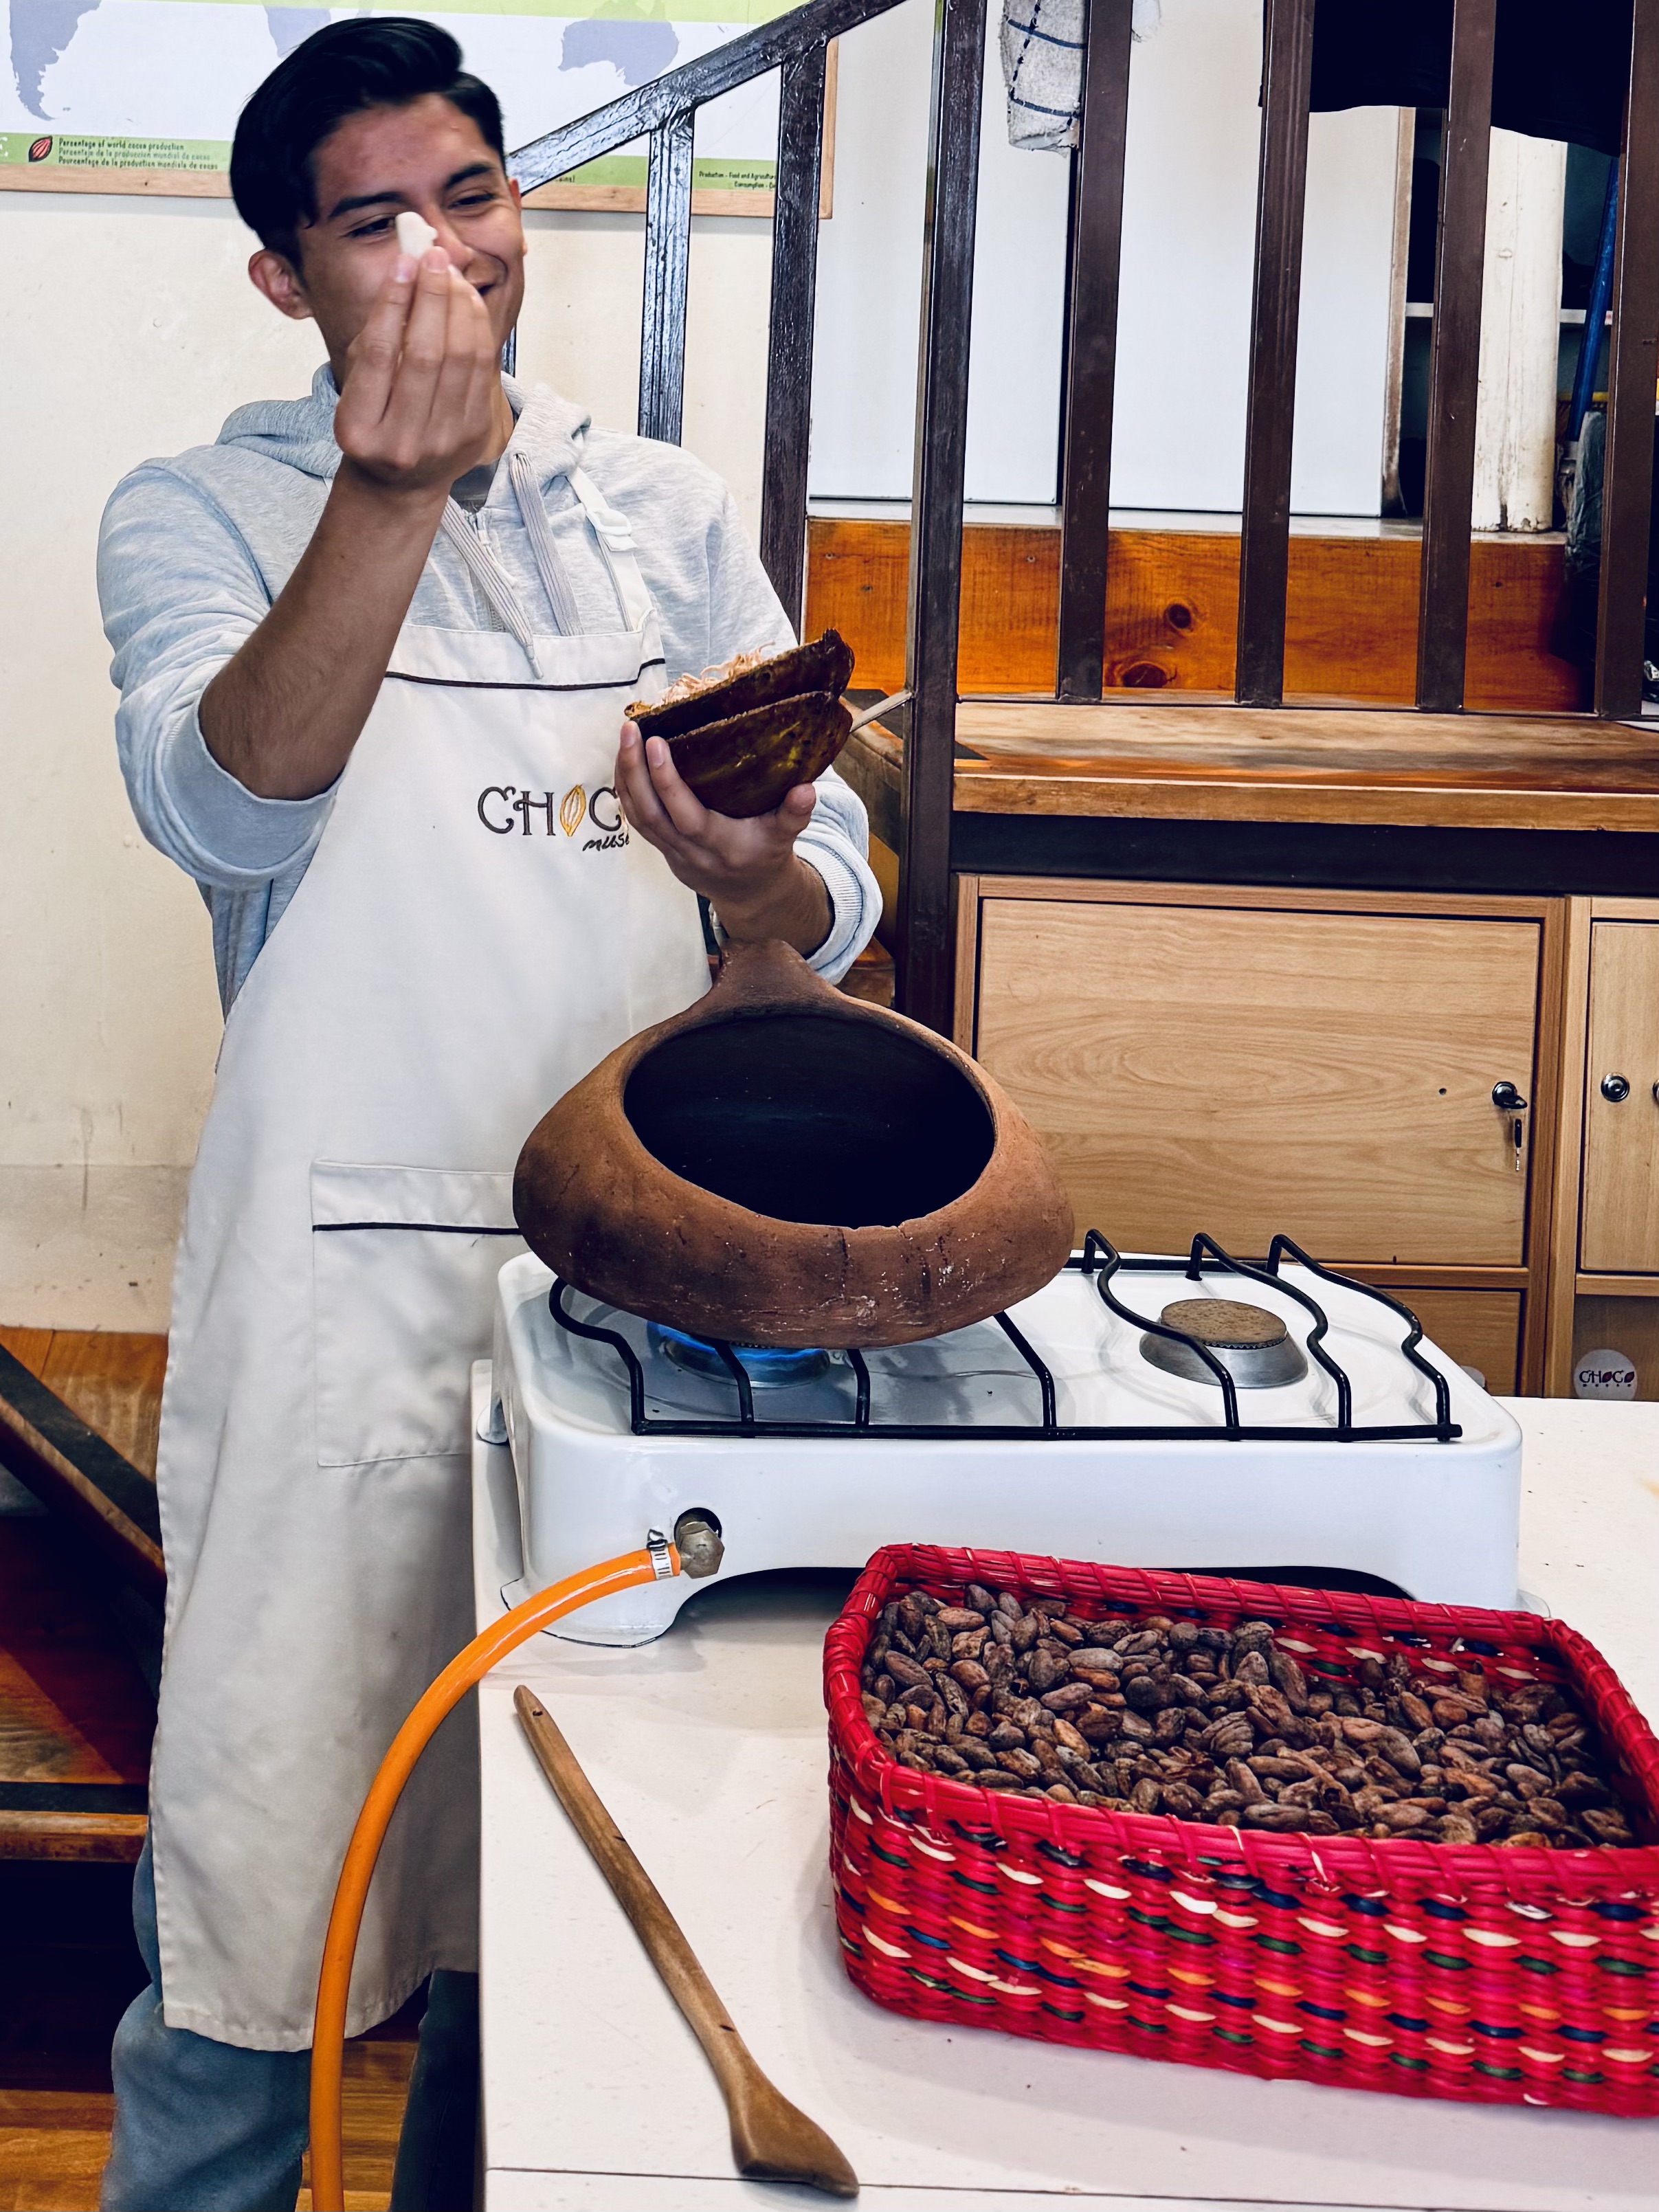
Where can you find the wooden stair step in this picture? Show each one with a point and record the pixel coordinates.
(1172, 611)
(77, 1712)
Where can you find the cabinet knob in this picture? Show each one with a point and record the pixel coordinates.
(1507, 1099)
(1615, 1089)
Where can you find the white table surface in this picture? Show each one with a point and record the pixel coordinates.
(708, 1748)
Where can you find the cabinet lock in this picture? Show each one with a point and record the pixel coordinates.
(1506, 1097)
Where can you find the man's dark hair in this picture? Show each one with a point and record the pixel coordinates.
(384, 61)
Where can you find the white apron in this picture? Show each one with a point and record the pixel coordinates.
(475, 933)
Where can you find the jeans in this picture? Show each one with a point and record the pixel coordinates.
(207, 2127)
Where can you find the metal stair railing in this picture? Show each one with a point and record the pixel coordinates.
(664, 112)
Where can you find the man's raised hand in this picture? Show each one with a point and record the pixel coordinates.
(416, 408)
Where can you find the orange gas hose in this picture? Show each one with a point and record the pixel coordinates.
(468, 1667)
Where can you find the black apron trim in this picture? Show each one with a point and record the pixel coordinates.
(467, 684)
(420, 1228)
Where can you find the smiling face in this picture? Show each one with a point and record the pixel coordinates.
(428, 157)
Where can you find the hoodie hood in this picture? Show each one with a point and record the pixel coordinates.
(300, 433)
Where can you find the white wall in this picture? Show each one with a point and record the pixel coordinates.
(870, 277)
(127, 328)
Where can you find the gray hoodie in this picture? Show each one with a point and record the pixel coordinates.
(193, 551)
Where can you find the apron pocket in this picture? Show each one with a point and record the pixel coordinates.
(404, 1268)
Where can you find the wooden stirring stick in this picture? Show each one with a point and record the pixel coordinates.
(771, 2139)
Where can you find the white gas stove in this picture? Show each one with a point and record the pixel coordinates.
(1145, 1411)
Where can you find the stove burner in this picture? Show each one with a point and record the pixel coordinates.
(1253, 1344)
(694, 1355)
(1101, 1263)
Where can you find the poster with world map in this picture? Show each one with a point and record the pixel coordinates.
(134, 95)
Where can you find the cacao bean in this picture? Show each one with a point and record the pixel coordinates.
(1284, 1818)
(1607, 1824)
(1288, 1677)
(1399, 1751)
(1250, 1789)
(1069, 1697)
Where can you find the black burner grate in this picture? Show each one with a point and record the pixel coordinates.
(1105, 1265)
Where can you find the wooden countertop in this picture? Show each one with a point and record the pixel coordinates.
(1207, 762)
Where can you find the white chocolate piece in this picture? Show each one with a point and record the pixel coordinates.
(416, 236)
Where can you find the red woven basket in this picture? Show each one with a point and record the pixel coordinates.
(1511, 1976)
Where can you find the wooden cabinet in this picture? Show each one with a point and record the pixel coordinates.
(1605, 1288)
(1620, 1225)
(1244, 1062)
(1481, 1328)
(1243, 1070)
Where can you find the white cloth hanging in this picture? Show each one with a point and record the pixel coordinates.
(1042, 68)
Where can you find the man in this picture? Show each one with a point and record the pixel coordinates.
(374, 649)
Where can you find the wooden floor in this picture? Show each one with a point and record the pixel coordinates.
(53, 2143)
(73, 1707)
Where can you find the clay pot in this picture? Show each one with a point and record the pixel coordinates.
(743, 744)
(784, 1165)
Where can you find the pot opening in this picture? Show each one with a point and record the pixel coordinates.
(811, 1118)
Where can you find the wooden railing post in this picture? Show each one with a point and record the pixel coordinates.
(1086, 477)
(1627, 467)
(667, 265)
(1443, 617)
(789, 347)
(923, 956)
(1264, 543)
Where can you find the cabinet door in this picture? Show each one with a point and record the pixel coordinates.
(1621, 1228)
(1481, 1328)
(1247, 1070)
